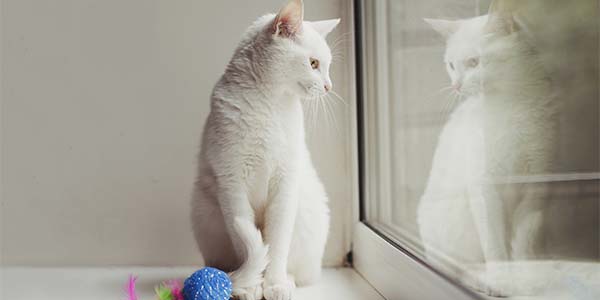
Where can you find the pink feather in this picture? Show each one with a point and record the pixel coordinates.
(175, 286)
(130, 288)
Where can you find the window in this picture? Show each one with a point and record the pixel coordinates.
(479, 136)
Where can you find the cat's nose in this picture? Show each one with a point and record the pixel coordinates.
(457, 86)
(327, 87)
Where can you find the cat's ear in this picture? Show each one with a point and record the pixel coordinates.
(288, 21)
(444, 27)
(501, 17)
(324, 27)
(503, 23)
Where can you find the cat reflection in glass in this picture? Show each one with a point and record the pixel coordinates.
(504, 127)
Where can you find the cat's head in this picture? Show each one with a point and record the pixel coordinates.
(298, 55)
(476, 43)
(463, 51)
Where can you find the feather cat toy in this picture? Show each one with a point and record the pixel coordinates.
(205, 284)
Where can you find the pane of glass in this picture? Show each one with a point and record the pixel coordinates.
(487, 146)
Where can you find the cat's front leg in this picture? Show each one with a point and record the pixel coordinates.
(279, 226)
(246, 239)
(489, 218)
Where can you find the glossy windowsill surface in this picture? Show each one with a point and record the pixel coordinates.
(20, 283)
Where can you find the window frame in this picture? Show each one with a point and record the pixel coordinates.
(389, 266)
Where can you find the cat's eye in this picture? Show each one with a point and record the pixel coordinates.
(314, 63)
(472, 62)
(451, 66)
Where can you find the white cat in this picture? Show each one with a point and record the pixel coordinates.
(505, 127)
(255, 176)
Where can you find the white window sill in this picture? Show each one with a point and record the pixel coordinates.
(19, 283)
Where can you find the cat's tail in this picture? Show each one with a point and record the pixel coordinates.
(249, 274)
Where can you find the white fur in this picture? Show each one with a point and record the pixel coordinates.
(504, 127)
(255, 174)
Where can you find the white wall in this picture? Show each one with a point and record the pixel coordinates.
(103, 104)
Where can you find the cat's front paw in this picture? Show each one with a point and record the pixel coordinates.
(279, 290)
(248, 293)
(486, 282)
(483, 285)
(507, 280)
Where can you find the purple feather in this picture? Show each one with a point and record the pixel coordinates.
(130, 288)
(176, 287)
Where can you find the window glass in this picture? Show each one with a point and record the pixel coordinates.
(483, 140)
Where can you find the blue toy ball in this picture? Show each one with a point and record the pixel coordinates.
(207, 284)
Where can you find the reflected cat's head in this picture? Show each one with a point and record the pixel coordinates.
(463, 52)
(466, 39)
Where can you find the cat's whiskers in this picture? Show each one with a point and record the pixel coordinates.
(442, 90)
(316, 109)
(337, 97)
(337, 58)
(331, 112)
(344, 37)
(311, 109)
(338, 53)
(445, 106)
(446, 88)
(322, 107)
(451, 101)
(317, 101)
